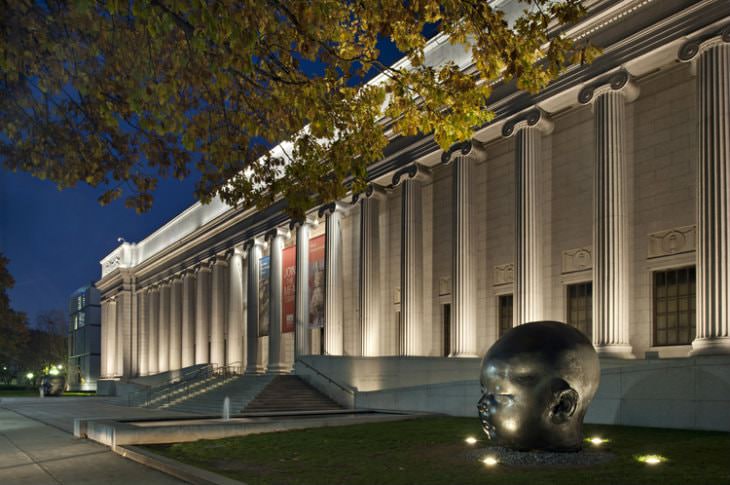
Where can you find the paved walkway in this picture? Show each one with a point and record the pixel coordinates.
(34, 452)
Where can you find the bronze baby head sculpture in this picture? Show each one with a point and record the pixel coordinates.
(537, 382)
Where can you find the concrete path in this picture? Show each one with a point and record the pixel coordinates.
(32, 452)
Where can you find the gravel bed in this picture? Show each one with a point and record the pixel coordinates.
(514, 458)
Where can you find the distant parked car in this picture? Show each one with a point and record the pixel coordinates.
(53, 385)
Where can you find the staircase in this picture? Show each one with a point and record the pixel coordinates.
(209, 400)
(289, 393)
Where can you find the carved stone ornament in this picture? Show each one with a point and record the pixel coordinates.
(537, 382)
(444, 285)
(470, 148)
(617, 81)
(578, 259)
(673, 241)
(504, 274)
(693, 47)
(535, 118)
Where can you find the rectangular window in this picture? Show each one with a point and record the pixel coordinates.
(674, 306)
(446, 318)
(505, 313)
(580, 307)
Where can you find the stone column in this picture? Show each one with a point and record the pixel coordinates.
(463, 287)
(153, 324)
(333, 304)
(411, 257)
(234, 349)
(301, 310)
(176, 323)
(611, 230)
(369, 296)
(188, 319)
(124, 307)
(218, 311)
(276, 239)
(163, 337)
(110, 340)
(528, 128)
(143, 337)
(711, 54)
(202, 313)
(253, 254)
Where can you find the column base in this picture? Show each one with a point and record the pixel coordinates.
(253, 370)
(710, 346)
(278, 369)
(615, 351)
(463, 355)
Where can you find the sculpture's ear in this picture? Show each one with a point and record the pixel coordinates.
(564, 404)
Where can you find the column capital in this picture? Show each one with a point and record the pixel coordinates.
(372, 191)
(254, 241)
(188, 272)
(165, 282)
(693, 47)
(220, 259)
(534, 118)
(309, 220)
(415, 171)
(277, 232)
(470, 148)
(330, 208)
(619, 81)
(230, 252)
(202, 266)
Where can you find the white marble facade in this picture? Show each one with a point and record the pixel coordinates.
(606, 180)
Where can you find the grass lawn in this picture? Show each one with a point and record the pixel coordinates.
(432, 451)
(18, 392)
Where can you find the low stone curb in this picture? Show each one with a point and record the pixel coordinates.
(187, 473)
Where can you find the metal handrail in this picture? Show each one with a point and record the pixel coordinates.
(347, 389)
(172, 390)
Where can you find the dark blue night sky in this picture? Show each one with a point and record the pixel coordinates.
(55, 239)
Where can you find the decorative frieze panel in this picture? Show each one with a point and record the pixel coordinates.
(504, 274)
(444, 285)
(396, 296)
(673, 241)
(578, 259)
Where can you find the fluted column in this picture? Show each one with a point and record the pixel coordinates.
(333, 305)
(143, 337)
(276, 239)
(103, 336)
(301, 310)
(218, 311)
(188, 319)
(253, 254)
(111, 337)
(463, 288)
(411, 257)
(236, 320)
(163, 337)
(528, 128)
(369, 294)
(202, 313)
(176, 323)
(611, 211)
(153, 323)
(712, 56)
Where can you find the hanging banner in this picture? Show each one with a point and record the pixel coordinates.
(264, 271)
(316, 281)
(288, 288)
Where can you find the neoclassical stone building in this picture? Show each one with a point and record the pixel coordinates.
(603, 202)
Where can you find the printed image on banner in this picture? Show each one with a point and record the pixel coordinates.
(264, 270)
(288, 284)
(316, 282)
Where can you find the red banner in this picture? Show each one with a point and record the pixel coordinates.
(316, 281)
(289, 285)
